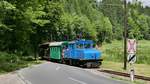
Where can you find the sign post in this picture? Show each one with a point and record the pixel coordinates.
(131, 49)
(132, 74)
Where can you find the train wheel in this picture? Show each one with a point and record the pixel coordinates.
(100, 63)
(96, 66)
(77, 63)
(62, 61)
(89, 65)
(67, 62)
(70, 61)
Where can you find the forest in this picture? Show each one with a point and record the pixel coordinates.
(24, 24)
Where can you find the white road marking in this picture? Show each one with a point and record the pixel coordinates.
(57, 68)
(81, 82)
(28, 82)
(23, 79)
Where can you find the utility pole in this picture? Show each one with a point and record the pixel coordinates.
(125, 34)
(125, 31)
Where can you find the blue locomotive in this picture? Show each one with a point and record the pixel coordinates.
(79, 52)
(82, 52)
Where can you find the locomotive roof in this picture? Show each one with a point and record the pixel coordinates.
(44, 44)
(84, 42)
(71, 42)
(55, 43)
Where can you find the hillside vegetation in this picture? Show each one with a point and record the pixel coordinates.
(24, 24)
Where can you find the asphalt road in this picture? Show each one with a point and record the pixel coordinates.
(54, 73)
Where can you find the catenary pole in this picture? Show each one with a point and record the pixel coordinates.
(125, 34)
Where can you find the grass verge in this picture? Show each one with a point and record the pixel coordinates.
(114, 51)
(140, 69)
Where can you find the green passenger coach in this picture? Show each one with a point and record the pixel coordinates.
(55, 50)
(52, 50)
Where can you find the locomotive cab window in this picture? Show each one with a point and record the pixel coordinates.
(88, 46)
(80, 46)
(71, 46)
(65, 47)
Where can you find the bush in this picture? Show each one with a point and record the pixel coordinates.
(11, 62)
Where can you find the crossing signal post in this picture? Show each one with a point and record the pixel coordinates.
(131, 56)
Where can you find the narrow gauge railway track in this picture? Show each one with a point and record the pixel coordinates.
(125, 74)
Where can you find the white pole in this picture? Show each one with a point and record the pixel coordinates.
(132, 72)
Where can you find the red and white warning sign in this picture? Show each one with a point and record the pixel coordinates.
(131, 46)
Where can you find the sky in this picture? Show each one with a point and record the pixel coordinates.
(145, 2)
